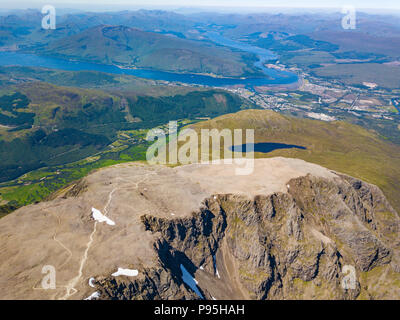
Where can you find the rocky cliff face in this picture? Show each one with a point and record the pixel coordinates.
(302, 244)
(289, 230)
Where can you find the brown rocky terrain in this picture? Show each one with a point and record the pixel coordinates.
(287, 231)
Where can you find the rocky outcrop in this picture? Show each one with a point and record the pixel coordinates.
(290, 245)
(289, 230)
(77, 189)
(282, 246)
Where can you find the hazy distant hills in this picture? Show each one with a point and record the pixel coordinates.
(163, 40)
(373, 33)
(24, 26)
(28, 22)
(132, 47)
(146, 20)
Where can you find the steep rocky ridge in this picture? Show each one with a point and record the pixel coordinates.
(282, 246)
(287, 231)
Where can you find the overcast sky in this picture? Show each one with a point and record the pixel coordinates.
(93, 4)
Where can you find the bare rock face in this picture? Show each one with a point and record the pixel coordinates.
(283, 246)
(293, 230)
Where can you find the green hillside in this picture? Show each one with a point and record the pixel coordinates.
(52, 135)
(339, 146)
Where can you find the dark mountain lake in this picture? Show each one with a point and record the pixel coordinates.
(264, 147)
